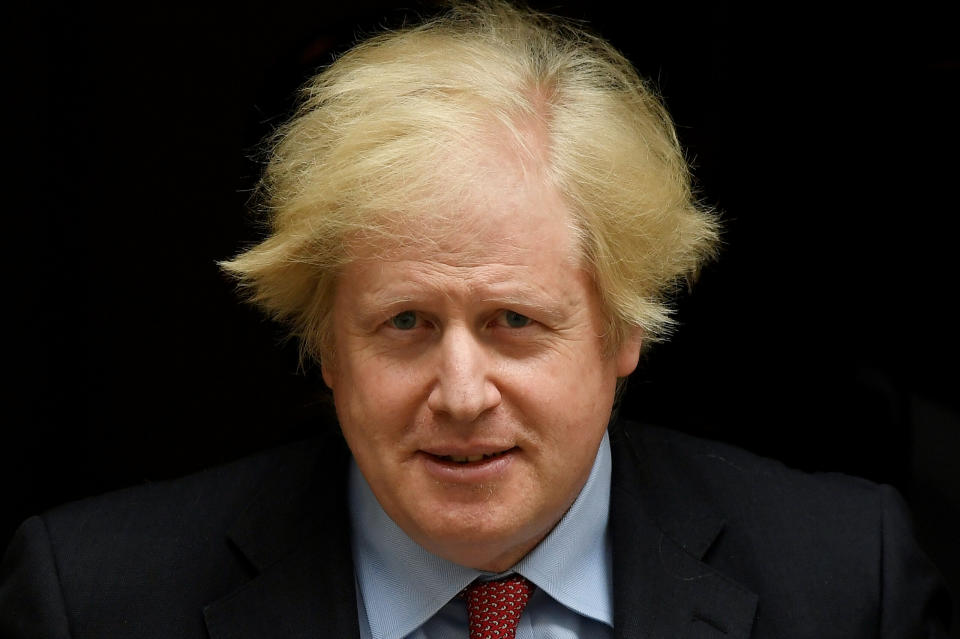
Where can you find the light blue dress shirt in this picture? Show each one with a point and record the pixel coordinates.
(405, 592)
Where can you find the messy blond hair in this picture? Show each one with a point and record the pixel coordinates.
(370, 147)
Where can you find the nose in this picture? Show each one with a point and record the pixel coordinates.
(463, 389)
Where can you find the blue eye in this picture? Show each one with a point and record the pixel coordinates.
(516, 320)
(404, 321)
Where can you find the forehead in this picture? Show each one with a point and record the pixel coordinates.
(512, 240)
(499, 209)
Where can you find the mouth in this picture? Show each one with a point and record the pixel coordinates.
(469, 459)
(469, 466)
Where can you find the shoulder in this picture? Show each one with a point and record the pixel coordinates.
(771, 506)
(829, 542)
(93, 561)
(727, 475)
(181, 512)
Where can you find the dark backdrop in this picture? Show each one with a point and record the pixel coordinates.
(825, 335)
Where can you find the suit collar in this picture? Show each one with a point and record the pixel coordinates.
(661, 532)
(295, 535)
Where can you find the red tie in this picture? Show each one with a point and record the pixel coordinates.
(495, 606)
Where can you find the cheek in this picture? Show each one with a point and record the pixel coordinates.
(568, 407)
(581, 385)
(368, 393)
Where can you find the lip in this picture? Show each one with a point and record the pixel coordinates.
(459, 449)
(484, 470)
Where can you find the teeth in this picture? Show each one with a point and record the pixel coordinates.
(463, 459)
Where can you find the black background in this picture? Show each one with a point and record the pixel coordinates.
(826, 335)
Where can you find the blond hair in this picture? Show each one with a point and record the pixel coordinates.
(370, 147)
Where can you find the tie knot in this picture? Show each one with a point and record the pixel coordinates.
(494, 607)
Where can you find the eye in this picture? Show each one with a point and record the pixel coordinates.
(404, 321)
(516, 320)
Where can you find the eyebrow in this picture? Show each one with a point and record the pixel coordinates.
(553, 313)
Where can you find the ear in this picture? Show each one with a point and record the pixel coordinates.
(328, 373)
(628, 355)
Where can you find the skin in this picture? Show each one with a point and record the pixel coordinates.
(486, 340)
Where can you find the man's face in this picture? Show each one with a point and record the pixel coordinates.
(469, 376)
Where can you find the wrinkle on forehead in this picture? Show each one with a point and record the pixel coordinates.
(465, 247)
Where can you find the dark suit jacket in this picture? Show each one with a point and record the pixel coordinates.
(708, 541)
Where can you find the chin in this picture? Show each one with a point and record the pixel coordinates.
(478, 538)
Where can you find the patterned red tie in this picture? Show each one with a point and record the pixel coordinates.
(495, 606)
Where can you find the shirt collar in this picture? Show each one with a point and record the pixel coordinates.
(402, 585)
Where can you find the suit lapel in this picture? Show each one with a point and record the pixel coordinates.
(295, 535)
(660, 533)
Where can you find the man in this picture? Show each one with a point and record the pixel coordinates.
(475, 224)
